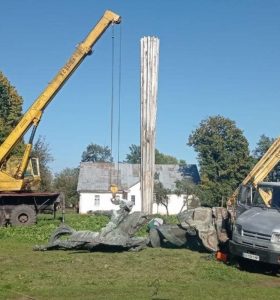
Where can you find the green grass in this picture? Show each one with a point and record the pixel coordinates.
(149, 274)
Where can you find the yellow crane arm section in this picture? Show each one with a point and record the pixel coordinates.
(33, 115)
(262, 168)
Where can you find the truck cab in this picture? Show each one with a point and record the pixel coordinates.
(256, 233)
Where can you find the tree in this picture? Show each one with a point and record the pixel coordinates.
(134, 157)
(164, 159)
(223, 156)
(161, 194)
(188, 188)
(97, 153)
(10, 111)
(66, 181)
(263, 145)
(41, 150)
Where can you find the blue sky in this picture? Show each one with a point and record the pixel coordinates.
(216, 57)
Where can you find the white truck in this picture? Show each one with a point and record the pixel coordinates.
(256, 233)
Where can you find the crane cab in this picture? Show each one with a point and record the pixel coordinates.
(31, 176)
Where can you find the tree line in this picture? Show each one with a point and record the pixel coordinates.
(222, 151)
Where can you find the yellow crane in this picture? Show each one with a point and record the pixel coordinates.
(17, 203)
(260, 171)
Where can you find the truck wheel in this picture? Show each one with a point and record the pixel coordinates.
(242, 264)
(23, 215)
(247, 265)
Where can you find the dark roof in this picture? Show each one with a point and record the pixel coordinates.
(99, 176)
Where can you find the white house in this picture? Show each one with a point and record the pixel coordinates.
(95, 180)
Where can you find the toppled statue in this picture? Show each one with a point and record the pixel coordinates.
(118, 234)
(201, 228)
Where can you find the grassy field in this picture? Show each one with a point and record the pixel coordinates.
(149, 274)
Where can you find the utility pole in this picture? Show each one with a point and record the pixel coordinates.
(149, 88)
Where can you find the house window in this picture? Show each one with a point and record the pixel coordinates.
(132, 199)
(96, 200)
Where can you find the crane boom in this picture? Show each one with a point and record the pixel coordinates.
(33, 115)
(262, 168)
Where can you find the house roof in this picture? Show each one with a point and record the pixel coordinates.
(95, 177)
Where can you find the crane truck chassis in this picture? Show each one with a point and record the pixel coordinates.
(256, 233)
(256, 230)
(22, 208)
(19, 200)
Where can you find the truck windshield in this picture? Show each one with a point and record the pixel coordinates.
(273, 194)
(258, 200)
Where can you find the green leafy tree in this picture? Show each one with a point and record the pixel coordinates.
(223, 156)
(134, 157)
(161, 194)
(10, 111)
(66, 181)
(97, 153)
(42, 151)
(263, 145)
(188, 188)
(164, 159)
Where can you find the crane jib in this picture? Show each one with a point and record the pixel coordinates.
(33, 115)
